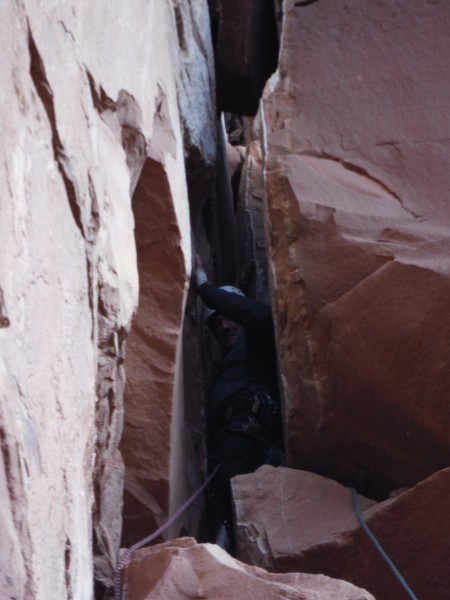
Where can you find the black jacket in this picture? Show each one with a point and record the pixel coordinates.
(250, 364)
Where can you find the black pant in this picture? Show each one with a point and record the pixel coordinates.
(238, 454)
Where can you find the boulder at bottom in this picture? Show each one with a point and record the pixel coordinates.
(291, 520)
(182, 569)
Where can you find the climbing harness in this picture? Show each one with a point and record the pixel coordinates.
(378, 546)
(127, 556)
(252, 415)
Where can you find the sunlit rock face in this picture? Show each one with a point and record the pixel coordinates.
(182, 569)
(291, 520)
(357, 177)
(89, 117)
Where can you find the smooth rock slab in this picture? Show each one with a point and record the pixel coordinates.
(182, 570)
(288, 520)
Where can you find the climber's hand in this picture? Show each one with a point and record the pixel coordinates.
(200, 273)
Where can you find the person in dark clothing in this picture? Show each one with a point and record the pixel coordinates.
(243, 416)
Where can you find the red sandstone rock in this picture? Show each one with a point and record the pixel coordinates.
(357, 174)
(182, 569)
(289, 520)
(153, 357)
(154, 441)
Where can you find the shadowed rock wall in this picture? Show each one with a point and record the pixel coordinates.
(158, 466)
(246, 51)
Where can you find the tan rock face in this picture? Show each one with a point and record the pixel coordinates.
(69, 286)
(289, 520)
(357, 171)
(89, 114)
(183, 569)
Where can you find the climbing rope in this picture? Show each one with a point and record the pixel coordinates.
(378, 546)
(127, 556)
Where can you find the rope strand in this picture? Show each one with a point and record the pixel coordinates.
(127, 556)
(378, 546)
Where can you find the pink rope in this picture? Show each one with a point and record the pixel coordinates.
(127, 556)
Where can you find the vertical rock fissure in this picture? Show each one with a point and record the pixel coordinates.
(44, 91)
(10, 458)
(152, 355)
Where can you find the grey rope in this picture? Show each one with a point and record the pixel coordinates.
(378, 546)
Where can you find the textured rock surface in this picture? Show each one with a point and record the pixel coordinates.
(250, 218)
(182, 569)
(289, 520)
(69, 286)
(155, 441)
(195, 82)
(109, 124)
(357, 176)
(87, 119)
(282, 514)
(246, 49)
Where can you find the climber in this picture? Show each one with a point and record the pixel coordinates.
(243, 415)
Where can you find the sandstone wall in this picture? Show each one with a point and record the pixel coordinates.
(89, 114)
(154, 439)
(114, 162)
(357, 156)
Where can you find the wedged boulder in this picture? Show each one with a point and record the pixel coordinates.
(182, 569)
(359, 252)
(246, 51)
(288, 520)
